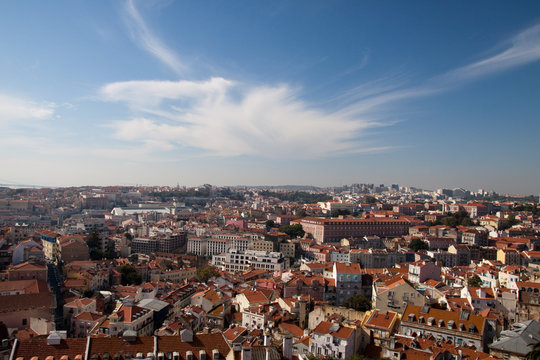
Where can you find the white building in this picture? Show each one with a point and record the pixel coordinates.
(233, 260)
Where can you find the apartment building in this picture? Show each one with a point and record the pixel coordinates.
(459, 328)
(233, 260)
(332, 230)
(332, 340)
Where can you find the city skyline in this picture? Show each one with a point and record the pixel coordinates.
(315, 93)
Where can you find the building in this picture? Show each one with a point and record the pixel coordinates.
(420, 271)
(185, 346)
(262, 245)
(380, 326)
(235, 261)
(28, 271)
(72, 248)
(197, 246)
(216, 246)
(395, 295)
(332, 340)
(458, 328)
(348, 278)
(333, 230)
(517, 341)
(128, 317)
(23, 300)
(509, 256)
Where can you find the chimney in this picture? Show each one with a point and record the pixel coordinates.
(186, 336)
(266, 339)
(267, 354)
(246, 353)
(287, 348)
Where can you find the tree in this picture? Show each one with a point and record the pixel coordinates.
(88, 293)
(270, 223)
(358, 302)
(93, 239)
(206, 272)
(370, 200)
(417, 244)
(339, 212)
(129, 275)
(294, 230)
(475, 281)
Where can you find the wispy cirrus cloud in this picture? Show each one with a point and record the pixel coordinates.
(16, 108)
(224, 117)
(519, 50)
(142, 36)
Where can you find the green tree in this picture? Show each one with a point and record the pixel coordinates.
(358, 302)
(294, 230)
(370, 200)
(93, 240)
(270, 223)
(475, 281)
(418, 244)
(206, 272)
(129, 275)
(339, 212)
(88, 293)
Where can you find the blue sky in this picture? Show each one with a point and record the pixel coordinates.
(418, 93)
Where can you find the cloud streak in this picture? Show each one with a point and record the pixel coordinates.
(223, 117)
(143, 37)
(521, 49)
(14, 109)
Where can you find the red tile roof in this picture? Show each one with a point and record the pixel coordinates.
(38, 347)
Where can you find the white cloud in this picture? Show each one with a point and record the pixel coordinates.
(519, 50)
(151, 93)
(224, 119)
(14, 108)
(142, 35)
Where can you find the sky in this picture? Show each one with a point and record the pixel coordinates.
(421, 93)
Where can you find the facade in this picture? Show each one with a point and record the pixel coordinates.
(27, 271)
(332, 340)
(380, 326)
(216, 246)
(396, 295)
(459, 328)
(235, 261)
(72, 248)
(421, 271)
(333, 230)
(348, 278)
(262, 245)
(130, 318)
(509, 256)
(197, 246)
(516, 342)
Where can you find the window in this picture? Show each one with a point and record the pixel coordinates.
(24, 321)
